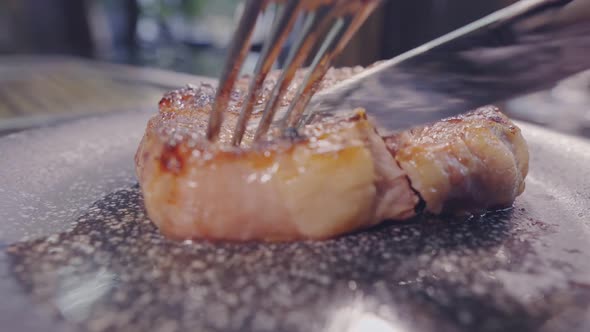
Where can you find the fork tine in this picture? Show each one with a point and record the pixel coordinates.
(315, 73)
(298, 54)
(237, 52)
(347, 15)
(321, 64)
(267, 58)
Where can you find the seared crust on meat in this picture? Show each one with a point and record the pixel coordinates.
(332, 180)
(468, 163)
(335, 176)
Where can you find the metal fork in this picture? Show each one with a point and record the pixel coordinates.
(328, 25)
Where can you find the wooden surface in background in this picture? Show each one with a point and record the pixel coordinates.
(39, 90)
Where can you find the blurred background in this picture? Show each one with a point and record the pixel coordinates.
(190, 37)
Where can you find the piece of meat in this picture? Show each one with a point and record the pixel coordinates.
(337, 175)
(464, 164)
(337, 178)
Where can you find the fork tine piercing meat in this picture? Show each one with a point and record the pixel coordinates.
(335, 175)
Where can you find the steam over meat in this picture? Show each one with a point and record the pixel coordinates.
(337, 176)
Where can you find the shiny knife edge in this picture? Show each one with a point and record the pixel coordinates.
(368, 89)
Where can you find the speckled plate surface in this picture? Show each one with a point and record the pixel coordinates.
(78, 254)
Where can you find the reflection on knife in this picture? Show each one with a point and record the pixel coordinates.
(525, 47)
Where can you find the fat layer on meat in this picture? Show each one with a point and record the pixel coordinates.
(464, 164)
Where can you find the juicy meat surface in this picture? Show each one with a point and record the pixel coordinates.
(464, 164)
(338, 175)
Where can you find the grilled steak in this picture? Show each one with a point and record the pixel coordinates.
(334, 176)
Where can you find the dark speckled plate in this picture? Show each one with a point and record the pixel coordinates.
(77, 253)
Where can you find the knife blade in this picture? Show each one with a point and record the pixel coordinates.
(526, 47)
